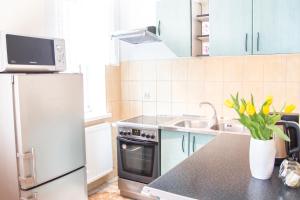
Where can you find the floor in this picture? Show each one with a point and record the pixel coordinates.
(108, 191)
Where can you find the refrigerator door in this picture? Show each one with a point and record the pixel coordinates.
(49, 125)
(72, 186)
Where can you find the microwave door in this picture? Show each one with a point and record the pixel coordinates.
(49, 126)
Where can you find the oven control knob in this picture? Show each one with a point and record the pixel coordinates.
(152, 136)
(143, 135)
(121, 132)
(125, 133)
(128, 133)
(147, 136)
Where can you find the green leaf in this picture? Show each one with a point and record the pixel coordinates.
(252, 99)
(253, 133)
(244, 102)
(257, 129)
(267, 133)
(237, 96)
(279, 132)
(284, 105)
(246, 122)
(235, 100)
(260, 119)
(274, 118)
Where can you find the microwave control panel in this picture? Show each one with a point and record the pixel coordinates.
(60, 53)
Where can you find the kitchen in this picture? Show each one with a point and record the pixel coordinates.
(165, 82)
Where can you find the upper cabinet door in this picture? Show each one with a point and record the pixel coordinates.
(276, 26)
(230, 27)
(174, 25)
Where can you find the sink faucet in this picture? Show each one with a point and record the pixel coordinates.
(214, 119)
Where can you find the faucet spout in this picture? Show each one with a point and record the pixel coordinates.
(214, 119)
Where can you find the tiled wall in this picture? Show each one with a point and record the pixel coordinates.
(113, 91)
(178, 86)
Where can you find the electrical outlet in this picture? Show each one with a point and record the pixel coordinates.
(147, 95)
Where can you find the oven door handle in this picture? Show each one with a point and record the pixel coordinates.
(134, 149)
(137, 142)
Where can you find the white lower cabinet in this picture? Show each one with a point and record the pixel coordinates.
(99, 158)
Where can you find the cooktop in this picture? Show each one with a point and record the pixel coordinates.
(144, 120)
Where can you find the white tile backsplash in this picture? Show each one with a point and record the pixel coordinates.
(178, 86)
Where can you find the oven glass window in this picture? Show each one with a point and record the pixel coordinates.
(137, 159)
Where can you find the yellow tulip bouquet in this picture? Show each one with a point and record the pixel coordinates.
(261, 124)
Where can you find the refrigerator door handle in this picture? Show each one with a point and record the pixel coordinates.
(26, 181)
(33, 197)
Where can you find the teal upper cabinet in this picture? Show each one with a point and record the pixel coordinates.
(230, 27)
(199, 140)
(276, 26)
(240, 27)
(174, 25)
(174, 149)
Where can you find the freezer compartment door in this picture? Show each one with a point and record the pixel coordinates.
(50, 126)
(72, 186)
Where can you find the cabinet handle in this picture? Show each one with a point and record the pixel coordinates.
(246, 42)
(194, 140)
(182, 144)
(158, 29)
(257, 41)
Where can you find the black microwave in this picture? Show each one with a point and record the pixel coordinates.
(31, 54)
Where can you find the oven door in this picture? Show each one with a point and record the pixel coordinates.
(137, 160)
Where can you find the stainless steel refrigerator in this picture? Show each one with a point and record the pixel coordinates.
(42, 148)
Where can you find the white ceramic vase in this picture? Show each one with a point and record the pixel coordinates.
(262, 158)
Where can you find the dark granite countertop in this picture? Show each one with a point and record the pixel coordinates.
(220, 171)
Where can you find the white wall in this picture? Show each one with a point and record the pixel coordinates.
(135, 14)
(29, 17)
(149, 51)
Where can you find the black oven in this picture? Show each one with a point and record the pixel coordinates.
(138, 160)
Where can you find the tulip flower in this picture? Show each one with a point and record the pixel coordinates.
(262, 124)
(229, 103)
(269, 100)
(250, 109)
(289, 108)
(242, 109)
(266, 109)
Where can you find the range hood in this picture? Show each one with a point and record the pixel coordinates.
(138, 36)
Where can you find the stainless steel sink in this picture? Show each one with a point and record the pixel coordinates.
(193, 124)
(226, 126)
(230, 127)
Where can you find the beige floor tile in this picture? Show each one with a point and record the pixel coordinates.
(108, 192)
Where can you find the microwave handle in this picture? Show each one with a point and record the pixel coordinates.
(295, 126)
